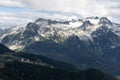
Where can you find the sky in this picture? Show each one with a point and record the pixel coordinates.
(20, 12)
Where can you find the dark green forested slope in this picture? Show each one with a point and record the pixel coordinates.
(23, 66)
(23, 71)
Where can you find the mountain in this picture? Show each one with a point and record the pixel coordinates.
(86, 43)
(4, 49)
(24, 66)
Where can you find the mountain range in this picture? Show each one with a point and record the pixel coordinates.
(86, 43)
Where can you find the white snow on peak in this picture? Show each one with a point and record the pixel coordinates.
(65, 30)
(94, 21)
(75, 24)
(93, 27)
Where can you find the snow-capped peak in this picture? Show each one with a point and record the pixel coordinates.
(45, 28)
(93, 20)
(104, 21)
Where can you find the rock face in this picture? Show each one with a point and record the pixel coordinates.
(104, 21)
(86, 24)
(84, 43)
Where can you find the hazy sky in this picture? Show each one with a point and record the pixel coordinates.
(20, 12)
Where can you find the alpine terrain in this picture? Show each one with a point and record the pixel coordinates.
(93, 42)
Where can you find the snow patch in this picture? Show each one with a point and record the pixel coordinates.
(14, 47)
(94, 21)
(36, 38)
(75, 24)
(94, 27)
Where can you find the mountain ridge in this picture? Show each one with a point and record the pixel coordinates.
(90, 42)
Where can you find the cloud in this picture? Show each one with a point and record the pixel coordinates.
(20, 12)
(12, 3)
(13, 19)
(10, 19)
(83, 7)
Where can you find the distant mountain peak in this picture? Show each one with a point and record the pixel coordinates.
(31, 25)
(86, 24)
(93, 17)
(31, 29)
(41, 19)
(104, 21)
